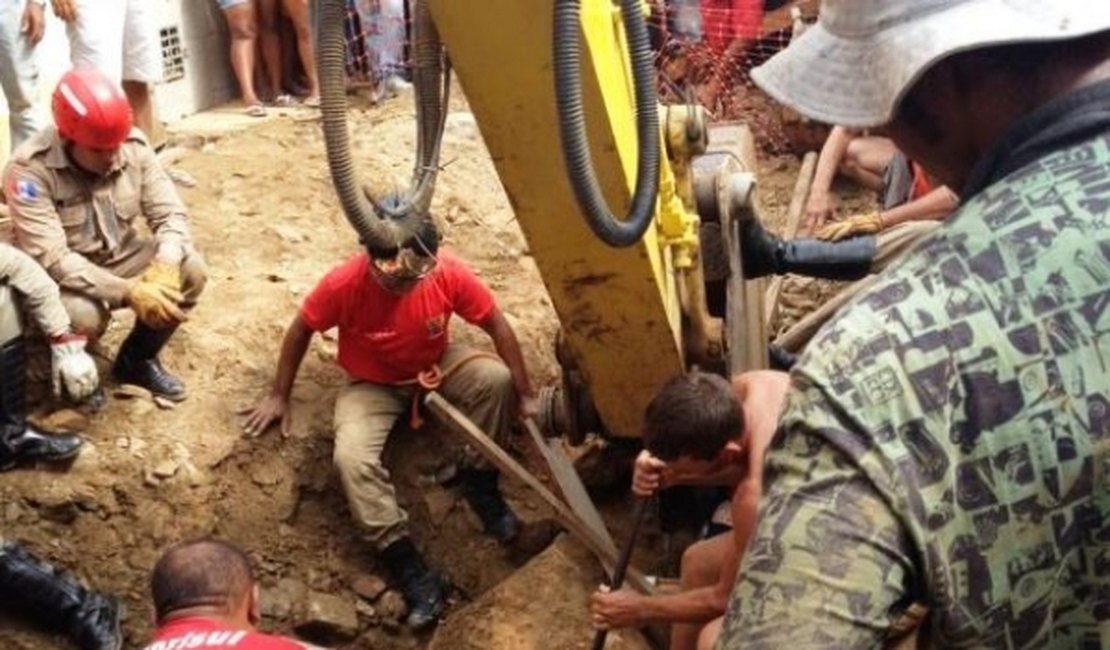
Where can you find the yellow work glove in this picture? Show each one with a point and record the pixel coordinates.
(868, 223)
(163, 275)
(156, 298)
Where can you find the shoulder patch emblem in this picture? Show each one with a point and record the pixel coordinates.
(27, 190)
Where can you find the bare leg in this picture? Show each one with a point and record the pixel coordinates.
(269, 14)
(297, 10)
(138, 95)
(708, 637)
(701, 567)
(866, 160)
(242, 22)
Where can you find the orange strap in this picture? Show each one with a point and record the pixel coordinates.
(432, 378)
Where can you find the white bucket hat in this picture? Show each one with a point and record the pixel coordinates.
(854, 66)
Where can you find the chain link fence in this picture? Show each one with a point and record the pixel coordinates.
(706, 50)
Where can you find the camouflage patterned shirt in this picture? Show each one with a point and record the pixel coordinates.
(947, 436)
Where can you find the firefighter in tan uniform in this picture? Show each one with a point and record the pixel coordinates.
(77, 193)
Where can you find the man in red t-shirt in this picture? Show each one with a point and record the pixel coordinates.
(393, 310)
(205, 597)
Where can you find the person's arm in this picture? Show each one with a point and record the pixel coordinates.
(819, 204)
(33, 22)
(274, 407)
(704, 604)
(508, 348)
(38, 229)
(162, 207)
(936, 205)
(39, 292)
(65, 10)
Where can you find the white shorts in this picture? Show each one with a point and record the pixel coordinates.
(118, 37)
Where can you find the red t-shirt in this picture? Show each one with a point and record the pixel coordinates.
(196, 633)
(725, 20)
(922, 184)
(387, 338)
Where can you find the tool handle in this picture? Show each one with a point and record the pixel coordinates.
(622, 562)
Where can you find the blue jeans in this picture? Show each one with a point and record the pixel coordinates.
(19, 75)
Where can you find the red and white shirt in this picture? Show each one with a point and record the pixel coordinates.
(198, 633)
(388, 338)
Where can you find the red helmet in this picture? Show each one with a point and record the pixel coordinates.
(91, 110)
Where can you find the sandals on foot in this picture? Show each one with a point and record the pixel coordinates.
(256, 110)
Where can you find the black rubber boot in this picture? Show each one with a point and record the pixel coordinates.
(36, 591)
(137, 362)
(484, 496)
(422, 588)
(765, 254)
(20, 443)
(522, 539)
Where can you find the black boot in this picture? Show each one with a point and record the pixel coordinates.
(523, 540)
(19, 441)
(765, 254)
(33, 589)
(484, 496)
(137, 362)
(422, 588)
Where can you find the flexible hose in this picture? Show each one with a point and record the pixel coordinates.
(572, 129)
(429, 66)
(431, 81)
(432, 85)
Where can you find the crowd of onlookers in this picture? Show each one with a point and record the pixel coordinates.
(271, 51)
(376, 30)
(120, 39)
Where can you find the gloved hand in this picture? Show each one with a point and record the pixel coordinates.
(867, 223)
(71, 367)
(155, 304)
(164, 274)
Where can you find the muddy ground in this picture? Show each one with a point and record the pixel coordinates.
(265, 217)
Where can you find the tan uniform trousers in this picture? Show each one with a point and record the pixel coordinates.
(365, 414)
(90, 316)
(890, 244)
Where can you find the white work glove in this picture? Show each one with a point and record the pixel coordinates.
(72, 367)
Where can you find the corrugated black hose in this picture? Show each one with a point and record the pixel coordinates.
(572, 128)
(430, 84)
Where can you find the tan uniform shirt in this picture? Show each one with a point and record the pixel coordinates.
(77, 226)
(39, 292)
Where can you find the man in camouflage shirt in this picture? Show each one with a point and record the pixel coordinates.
(945, 440)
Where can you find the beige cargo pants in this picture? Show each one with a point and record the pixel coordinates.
(365, 414)
(890, 245)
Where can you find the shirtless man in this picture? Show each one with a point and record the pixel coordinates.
(701, 430)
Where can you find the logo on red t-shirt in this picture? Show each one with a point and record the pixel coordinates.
(436, 325)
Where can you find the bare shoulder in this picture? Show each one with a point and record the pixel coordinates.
(760, 384)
